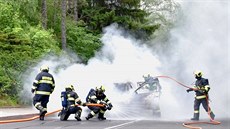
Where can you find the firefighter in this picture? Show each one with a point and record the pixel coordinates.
(201, 88)
(152, 82)
(43, 86)
(97, 96)
(69, 106)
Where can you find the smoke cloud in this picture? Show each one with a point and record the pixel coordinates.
(200, 41)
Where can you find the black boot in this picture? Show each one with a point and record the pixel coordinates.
(64, 115)
(42, 114)
(101, 116)
(212, 115)
(78, 115)
(42, 111)
(195, 116)
(89, 116)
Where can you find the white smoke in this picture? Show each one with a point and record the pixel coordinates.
(199, 41)
(121, 59)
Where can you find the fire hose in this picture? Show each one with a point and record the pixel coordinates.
(188, 124)
(37, 116)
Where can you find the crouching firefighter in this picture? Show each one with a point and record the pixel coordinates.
(70, 104)
(201, 88)
(43, 86)
(97, 96)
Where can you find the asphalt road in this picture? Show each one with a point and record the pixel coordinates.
(54, 123)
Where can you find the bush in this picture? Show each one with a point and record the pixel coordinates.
(82, 42)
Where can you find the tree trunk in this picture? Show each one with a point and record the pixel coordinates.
(75, 11)
(55, 4)
(70, 4)
(63, 25)
(44, 14)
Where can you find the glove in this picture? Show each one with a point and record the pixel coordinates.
(84, 104)
(103, 103)
(32, 90)
(188, 90)
(109, 106)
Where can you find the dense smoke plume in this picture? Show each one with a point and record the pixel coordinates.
(200, 41)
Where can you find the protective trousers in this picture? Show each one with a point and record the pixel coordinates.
(96, 110)
(204, 103)
(65, 113)
(40, 102)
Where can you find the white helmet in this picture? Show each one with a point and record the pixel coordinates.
(44, 68)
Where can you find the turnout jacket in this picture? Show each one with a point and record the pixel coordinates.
(203, 87)
(92, 97)
(44, 83)
(73, 98)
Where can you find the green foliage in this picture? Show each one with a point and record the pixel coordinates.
(126, 13)
(97, 18)
(6, 101)
(84, 43)
(19, 50)
(21, 45)
(8, 16)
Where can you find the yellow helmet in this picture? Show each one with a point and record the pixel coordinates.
(100, 89)
(44, 68)
(71, 87)
(198, 73)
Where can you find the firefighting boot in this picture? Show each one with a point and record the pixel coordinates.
(42, 111)
(195, 116)
(212, 115)
(101, 116)
(63, 115)
(78, 115)
(89, 116)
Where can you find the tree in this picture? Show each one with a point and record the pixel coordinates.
(161, 11)
(75, 10)
(127, 13)
(44, 14)
(63, 25)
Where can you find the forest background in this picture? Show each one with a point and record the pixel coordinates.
(33, 29)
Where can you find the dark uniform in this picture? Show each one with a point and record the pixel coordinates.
(72, 108)
(98, 96)
(43, 86)
(202, 86)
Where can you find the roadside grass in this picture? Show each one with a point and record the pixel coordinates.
(6, 101)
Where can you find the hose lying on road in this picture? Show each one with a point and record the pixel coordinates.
(37, 116)
(188, 124)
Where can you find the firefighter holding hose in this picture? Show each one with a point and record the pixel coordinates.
(70, 104)
(201, 88)
(98, 96)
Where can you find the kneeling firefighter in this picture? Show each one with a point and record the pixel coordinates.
(69, 100)
(97, 96)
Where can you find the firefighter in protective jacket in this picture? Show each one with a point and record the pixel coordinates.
(97, 96)
(43, 86)
(72, 104)
(201, 88)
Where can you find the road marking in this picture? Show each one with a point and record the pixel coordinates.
(116, 126)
